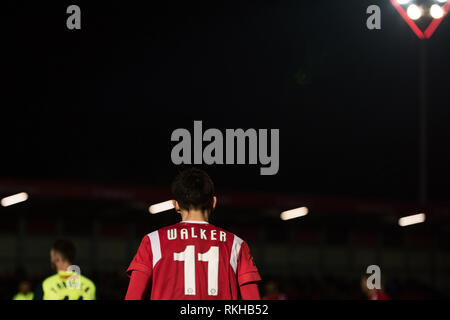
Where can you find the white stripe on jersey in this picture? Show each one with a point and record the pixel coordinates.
(156, 247)
(235, 252)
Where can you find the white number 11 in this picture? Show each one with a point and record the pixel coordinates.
(188, 256)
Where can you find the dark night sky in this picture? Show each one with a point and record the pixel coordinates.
(100, 104)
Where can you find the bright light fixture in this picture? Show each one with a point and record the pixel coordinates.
(416, 218)
(16, 198)
(403, 1)
(436, 11)
(414, 12)
(160, 207)
(442, 1)
(294, 213)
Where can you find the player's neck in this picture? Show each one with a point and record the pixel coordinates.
(63, 266)
(194, 215)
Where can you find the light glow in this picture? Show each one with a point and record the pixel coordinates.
(160, 207)
(414, 12)
(409, 220)
(436, 11)
(14, 199)
(403, 1)
(294, 213)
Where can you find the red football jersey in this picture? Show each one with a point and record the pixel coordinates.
(194, 260)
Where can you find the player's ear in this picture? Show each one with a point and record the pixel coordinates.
(176, 206)
(214, 202)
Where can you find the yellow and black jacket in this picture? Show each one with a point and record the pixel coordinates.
(56, 287)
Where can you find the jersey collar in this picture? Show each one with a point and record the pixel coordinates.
(65, 274)
(188, 221)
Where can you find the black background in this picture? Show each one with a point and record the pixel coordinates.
(100, 103)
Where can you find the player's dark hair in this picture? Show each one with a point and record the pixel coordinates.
(66, 248)
(193, 189)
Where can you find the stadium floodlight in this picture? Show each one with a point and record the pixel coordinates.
(436, 11)
(294, 213)
(160, 207)
(403, 1)
(414, 12)
(14, 199)
(409, 220)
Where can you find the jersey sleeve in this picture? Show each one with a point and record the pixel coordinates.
(138, 286)
(142, 261)
(246, 270)
(250, 291)
(90, 291)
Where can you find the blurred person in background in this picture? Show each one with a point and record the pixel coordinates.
(373, 294)
(272, 291)
(25, 292)
(57, 286)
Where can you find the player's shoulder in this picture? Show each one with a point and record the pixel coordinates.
(220, 229)
(156, 233)
(230, 235)
(50, 279)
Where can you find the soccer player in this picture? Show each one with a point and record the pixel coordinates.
(193, 260)
(57, 286)
(25, 292)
